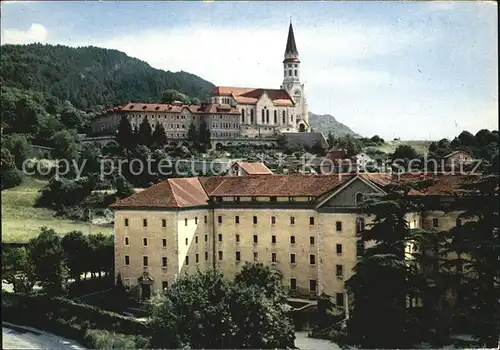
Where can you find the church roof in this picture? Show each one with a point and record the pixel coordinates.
(291, 47)
(251, 95)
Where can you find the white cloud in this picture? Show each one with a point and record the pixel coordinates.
(36, 33)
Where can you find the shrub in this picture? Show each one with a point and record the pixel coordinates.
(11, 178)
(101, 339)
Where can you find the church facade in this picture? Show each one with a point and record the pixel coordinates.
(232, 113)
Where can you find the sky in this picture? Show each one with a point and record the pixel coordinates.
(412, 70)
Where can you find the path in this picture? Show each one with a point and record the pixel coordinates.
(20, 337)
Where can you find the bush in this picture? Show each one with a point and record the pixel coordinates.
(100, 339)
(11, 178)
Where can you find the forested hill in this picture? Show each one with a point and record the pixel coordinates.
(91, 76)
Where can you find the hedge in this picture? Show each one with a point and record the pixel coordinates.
(74, 320)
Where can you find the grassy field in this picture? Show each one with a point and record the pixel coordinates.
(389, 147)
(21, 221)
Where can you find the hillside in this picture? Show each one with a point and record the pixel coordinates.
(327, 123)
(421, 147)
(91, 76)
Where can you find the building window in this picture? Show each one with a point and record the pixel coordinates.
(164, 242)
(312, 259)
(295, 72)
(311, 220)
(196, 220)
(237, 238)
(255, 256)
(197, 258)
(145, 222)
(206, 219)
(339, 270)
(243, 116)
(238, 256)
(163, 223)
(220, 255)
(164, 285)
(360, 247)
(339, 249)
(292, 239)
(311, 240)
(338, 226)
(126, 222)
(206, 256)
(187, 260)
(273, 257)
(164, 261)
(263, 117)
(219, 219)
(435, 222)
(187, 241)
(127, 241)
(339, 299)
(206, 238)
(185, 222)
(290, 72)
(251, 116)
(360, 225)
(293, 284)
(273, 239)
(255, 239)
(273, 220)
(237, 219)
(312, 285)
(220, 237)
(196, 239)
(283, 117)
(359, 198)
(292, 258)
(254, 220)
(267, 116)
(127, 260)
(145, 261)
(145, 242)
(292, 220)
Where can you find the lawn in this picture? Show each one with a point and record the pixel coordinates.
(22, 221)
(420, 146)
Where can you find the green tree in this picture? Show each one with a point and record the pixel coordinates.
(123, 187)
(405, 152)
(204, 134)
(71, 117)
(192, 135)
(195, 101)
(75, 245)
(205, 310)
(49, 125)
(47, 256)
(125, 136)
(17, 269)
(467, 139)
(263, 277)
(18, 146)
(144, 134)
(159, 137)
(170, 95)
(65, 146)
(381, 263)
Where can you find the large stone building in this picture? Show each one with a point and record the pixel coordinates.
(303, 225)
(232, 114)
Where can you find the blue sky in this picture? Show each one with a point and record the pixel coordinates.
(414, 70)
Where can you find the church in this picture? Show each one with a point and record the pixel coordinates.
(232, 114)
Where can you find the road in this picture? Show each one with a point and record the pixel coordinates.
(303, 342)
(17, 337)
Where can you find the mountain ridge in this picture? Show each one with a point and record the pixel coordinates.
(326, 123)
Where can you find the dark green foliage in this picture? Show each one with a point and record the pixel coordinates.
(17, 268)
(125, 135)
(123, 188)
(65, 146)
(204, 134)
(206, 310)
(91, 76)
(192, 134)
(77, 250)
(467, 139)
(18, 147)
(47, 256)
(404, 152)
(144, 134)
(171, 95)
(63, 192)
(159, 137)
(11, 178)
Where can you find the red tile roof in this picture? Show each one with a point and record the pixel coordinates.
(175, 108)
(255, 168)
(252, 95)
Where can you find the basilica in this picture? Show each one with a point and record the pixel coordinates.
(232, 113)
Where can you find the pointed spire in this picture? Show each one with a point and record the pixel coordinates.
(291, 47)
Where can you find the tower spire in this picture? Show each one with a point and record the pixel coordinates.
(291, 47)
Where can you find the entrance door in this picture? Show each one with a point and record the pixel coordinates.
(302, 128)
(146, 291)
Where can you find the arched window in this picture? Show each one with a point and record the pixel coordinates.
(285, 72)
(267, 116)
(360, 224)
(359, 198)
(243, 116)
(283, 117)
(263, 117)
(275, 117)
(295, 72)
(251, 116)
(290, 72)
